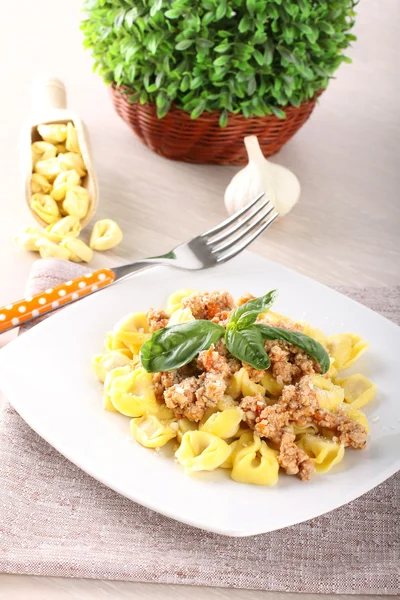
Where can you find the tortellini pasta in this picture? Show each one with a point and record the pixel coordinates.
(133, 330)
(64, 181)
(103, 363)
(132, 394)
(49, 168)
(42, 151)
(106, 234)
(111, 376)
(53, 133)
(48, 249)
(45, 207)
(76, 201)
(358, 390)
(271, 385)
(150, 432)
(241, 384)
(27, 240)
(224, 424)
(255, 463)
(324, 453)
(330, 396)
(66, 227)
(174, 301)
(78, 250)
(184, 425)
(39, 184)
(202, 451)
(72, 161)
(72, 142)
(357, 415)
(346, 348)
(182, 315)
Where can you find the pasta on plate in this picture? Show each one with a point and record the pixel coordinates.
(236, 386)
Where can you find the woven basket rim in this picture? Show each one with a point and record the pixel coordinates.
(208, 114)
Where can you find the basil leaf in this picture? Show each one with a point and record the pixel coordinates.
(247, 345)
(301, 340)
(247, 313)
(176, 345)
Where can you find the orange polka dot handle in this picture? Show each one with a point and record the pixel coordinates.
(32, 307)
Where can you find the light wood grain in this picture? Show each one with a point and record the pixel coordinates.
(345, 229)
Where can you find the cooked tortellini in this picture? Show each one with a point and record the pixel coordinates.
(53, 133)
(45, 207)
(357, 415)
(358, 390)
(174, 301)
(330, 396)
(150, 432)
(182, 315)
(132, 394)
(133, 330)
(271, 385)
(346, 348)
(106, 234)
(202, 451)
(324, 453)
(255, 463)
(111, 376)
(103, 363)
(224, 424)
(184, 425)
(241, 384)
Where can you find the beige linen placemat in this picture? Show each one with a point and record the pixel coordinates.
(56, 520)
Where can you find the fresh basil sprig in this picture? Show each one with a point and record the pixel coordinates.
(247, 344)
(176, 345)
(301, 340)
(247, 313)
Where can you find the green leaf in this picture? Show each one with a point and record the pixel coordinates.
(176, 345)
(278, 112)
(184, 44)
(301, 340)
(221, 60)
(244, 24)
(221, 11)
(247, 345)
(173, 13)
(119, 19)
(196, 112)
(131, 16)
(247, 313)
(223, 118)
(251, 86)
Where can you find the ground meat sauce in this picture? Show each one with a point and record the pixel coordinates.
(200, 385)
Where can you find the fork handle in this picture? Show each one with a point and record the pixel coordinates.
(32, 307)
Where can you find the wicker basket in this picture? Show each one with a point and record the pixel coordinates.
(202, 140)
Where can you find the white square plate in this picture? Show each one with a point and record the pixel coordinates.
(47, 376)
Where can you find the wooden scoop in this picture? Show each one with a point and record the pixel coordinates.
(50, 106)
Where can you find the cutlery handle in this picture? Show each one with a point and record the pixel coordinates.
(32, 307)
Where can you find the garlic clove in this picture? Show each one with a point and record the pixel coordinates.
(279, 184)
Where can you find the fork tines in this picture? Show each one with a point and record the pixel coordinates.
(241, 229)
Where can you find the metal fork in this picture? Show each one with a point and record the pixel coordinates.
(215, 246)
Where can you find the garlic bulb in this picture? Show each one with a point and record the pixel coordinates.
(279, 184)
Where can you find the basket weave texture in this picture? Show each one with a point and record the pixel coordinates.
(202, 140)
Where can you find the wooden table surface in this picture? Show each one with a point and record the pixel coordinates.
(345, 229)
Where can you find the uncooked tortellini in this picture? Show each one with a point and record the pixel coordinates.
(72, 143)
(49, 168)
(66, 227)
(42, 151)
(105, 235)
(45, 207)
(72, 161)
(48, 249)
(78, 250)
(76, 201)
(53, 133)
(64, 181)
(39, 184)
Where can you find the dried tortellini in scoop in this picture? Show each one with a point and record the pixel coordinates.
(106, 234)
